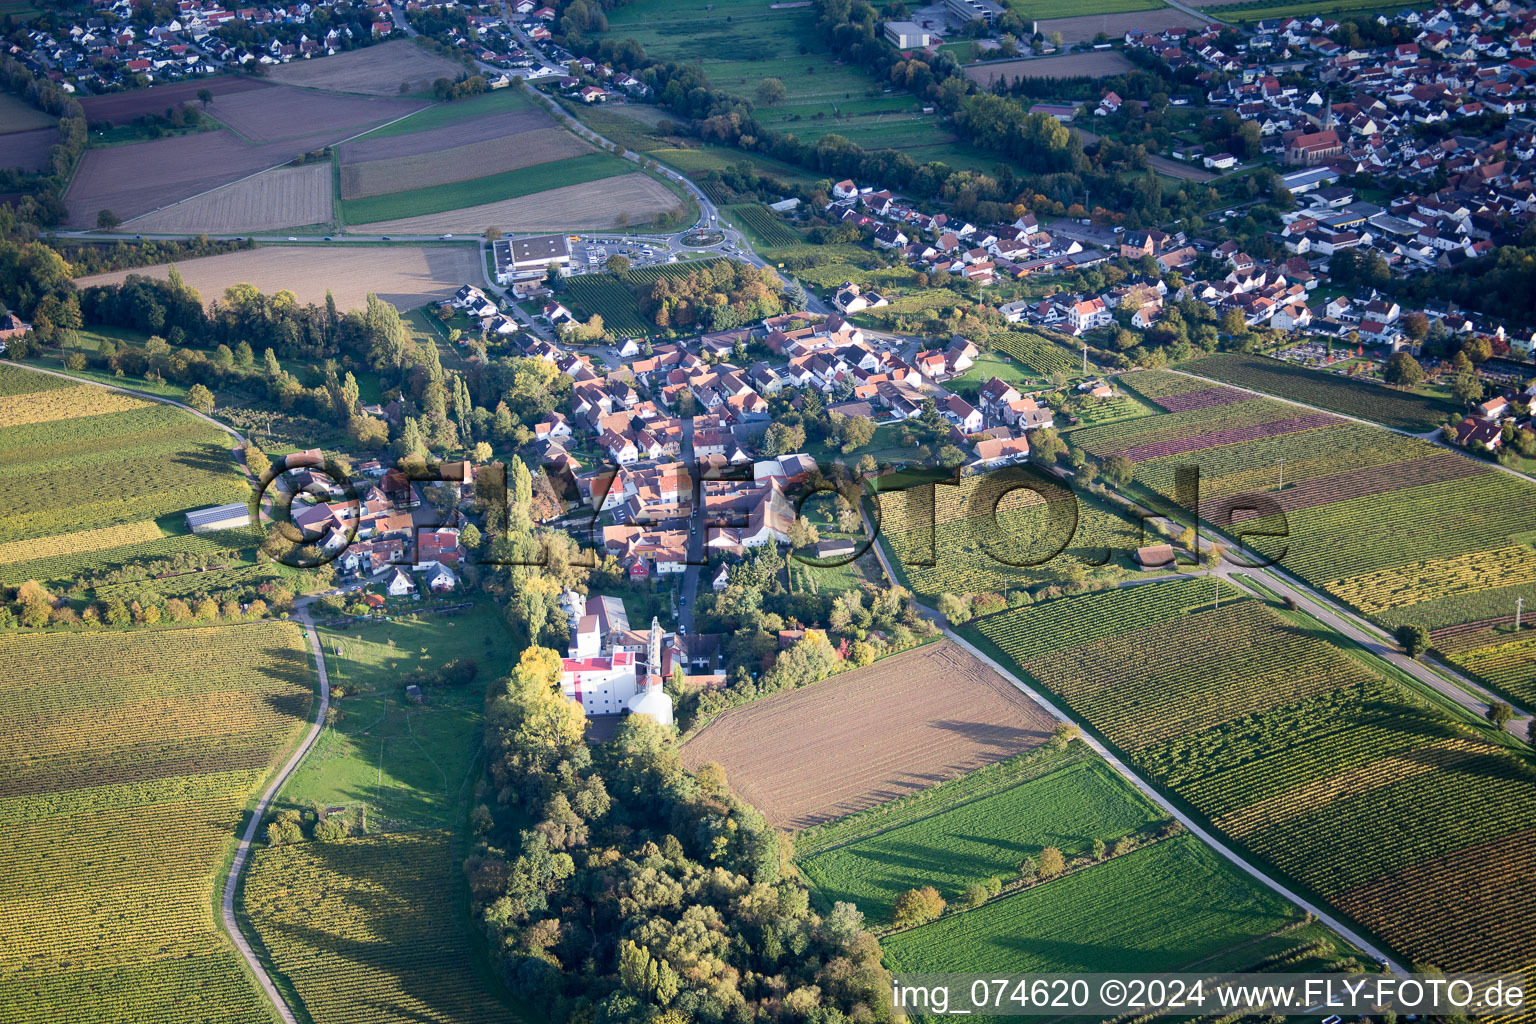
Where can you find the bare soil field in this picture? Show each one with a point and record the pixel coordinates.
(122, 107)
(146, 176)
(594, 206)
(19, 116)
(1073, 65)
(282, 198)
(284, 112)
(1085, 27)
(405, 275)
(28, 151)
(380, 177)
(869, 736)
(433, 140)
(374, 70)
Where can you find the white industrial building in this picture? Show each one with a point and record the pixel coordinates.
(906, 35)
(522, 259)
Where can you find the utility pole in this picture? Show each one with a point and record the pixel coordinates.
(1519, 606)
(1085, 357)
(1282, 472)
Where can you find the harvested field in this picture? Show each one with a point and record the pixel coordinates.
(1096, 64)
(869, 736)
(16, 115)
(374, 70)
(286, 113)
(282, 198)
(435, 140)
(381, 177)
(28, 151)
(135, 180)
(405, 275)
(1085, 27)
(593, 206)
(122, 107)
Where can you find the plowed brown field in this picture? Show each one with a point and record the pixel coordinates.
(122, 107)
(377, 70)
(435, 140)
(282, 198)
(478, 159)
(284, 113)
(593, 206)
(870, 735)
(405, 275)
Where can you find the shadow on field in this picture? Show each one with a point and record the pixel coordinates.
(1008, 738)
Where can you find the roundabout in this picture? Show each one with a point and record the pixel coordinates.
(702, 239)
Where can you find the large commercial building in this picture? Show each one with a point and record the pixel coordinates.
(519, 259)
(906, 35)
(970, 10)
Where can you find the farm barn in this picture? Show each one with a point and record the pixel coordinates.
(219, 517)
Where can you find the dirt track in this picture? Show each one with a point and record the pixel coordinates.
(406, 276)
(379, 177)
(375, 70)
(282, 198)
(869, 736)
(592, 206)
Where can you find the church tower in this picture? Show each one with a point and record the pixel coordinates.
(653, 652)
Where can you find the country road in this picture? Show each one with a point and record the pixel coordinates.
(1141, 784)
(242, 853)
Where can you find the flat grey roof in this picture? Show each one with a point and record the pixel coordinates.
(544, 247)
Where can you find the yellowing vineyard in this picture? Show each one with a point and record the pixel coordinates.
(64, 404)
(126, 763)
(79, 542)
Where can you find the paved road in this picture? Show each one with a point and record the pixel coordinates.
(242, 853)
(696, 536)
(1146, 787)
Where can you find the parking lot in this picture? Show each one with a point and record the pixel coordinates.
(591, 254)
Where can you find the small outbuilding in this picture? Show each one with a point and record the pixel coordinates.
(1155, 556)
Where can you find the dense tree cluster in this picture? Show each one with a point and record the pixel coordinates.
(618, 888)
(716, 296)
(85, 258)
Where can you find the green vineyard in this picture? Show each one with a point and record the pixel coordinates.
(127, 761)
(763, 224)
(371, 929)
(1333, 775)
